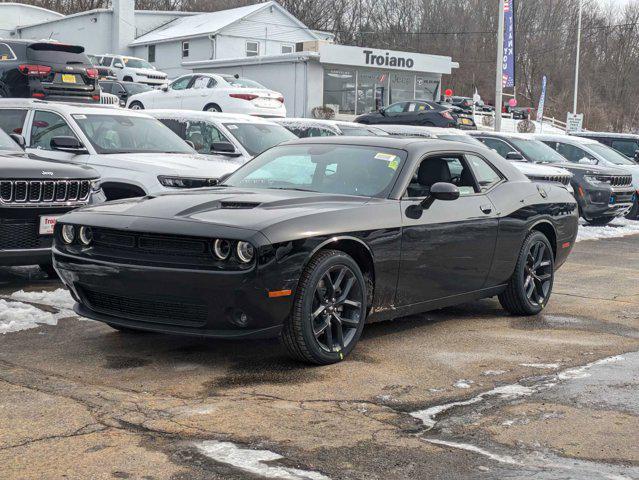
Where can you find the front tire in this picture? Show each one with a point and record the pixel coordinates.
(530, 286)
(212, 108)
(329, 310)
(634, 211)
(136, 106)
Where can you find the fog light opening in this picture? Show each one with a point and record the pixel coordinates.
(240, 318)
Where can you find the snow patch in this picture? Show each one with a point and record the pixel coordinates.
(254, 461)
(620, 227)
(472, 448)
(60, 298)
(463, 383)
(548, 366)
(490, 373)
(582, 372)
(16, 316)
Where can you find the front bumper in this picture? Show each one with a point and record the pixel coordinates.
(205, 303)
(606, 201)
(25, 256)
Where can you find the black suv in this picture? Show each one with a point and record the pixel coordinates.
(47, 70)
(625, 143)
(34, 192)
(602, 193)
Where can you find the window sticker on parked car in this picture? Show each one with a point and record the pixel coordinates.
(231, 127)
(389, 157)
(201, 82)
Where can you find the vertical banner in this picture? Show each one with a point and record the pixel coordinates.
(542, 100)
(508, 74)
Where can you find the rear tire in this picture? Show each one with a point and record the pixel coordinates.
(212, 108)
(530, 286)
(136, 106)
(329, 310)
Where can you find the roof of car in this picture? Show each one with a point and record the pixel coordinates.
(565, 139)
(383, 142)
(68, 108)
(631, 136)
(321, 121)
(420, 129)
(203, 116)
(521, 136)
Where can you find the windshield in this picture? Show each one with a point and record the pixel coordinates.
(7, 143)
(124, 134)
(256, 138)
(241, 82)
(339, 169)
(610, 155)
(537, 151)
(460, 138)
(137, 63)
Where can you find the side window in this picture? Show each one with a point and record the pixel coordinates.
(486, 175)
(117, 63)
(305, 132)
(106, 61)
(106, 87)
(6, 53)
(181, 83)
(626, 147)
(200, 82)
(203, 135)
(572, 153)
(501, 147)
(12, 120)
(396, 108)
(252, 49)
(45, 126)
(185, 49)
(449, 169)
(212, 83)
(118, 89)
(151, 53)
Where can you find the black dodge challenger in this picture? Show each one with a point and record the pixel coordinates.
(315, 237)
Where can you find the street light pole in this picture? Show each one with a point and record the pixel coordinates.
(574, 102)
(500, 67)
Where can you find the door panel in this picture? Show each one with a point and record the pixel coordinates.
(448, 250)
(194, 97)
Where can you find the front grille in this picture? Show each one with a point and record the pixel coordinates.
(29, 192)
(563, 179)
(616, 180)
(173, 311)
(21, 234)
(156, 77)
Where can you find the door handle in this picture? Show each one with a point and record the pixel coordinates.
(486, 209)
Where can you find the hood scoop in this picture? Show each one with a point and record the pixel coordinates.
(239, 205)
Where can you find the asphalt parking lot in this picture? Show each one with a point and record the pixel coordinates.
(460, 393)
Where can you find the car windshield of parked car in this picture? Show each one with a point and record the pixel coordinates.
(241, 82)
(327, 168)
(537, 151)
(7, 143)
(256, 138)
(610, 155)
(137, 63)
(127, 134)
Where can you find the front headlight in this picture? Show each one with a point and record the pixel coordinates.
(68, 234)
(186, 182)
(245, 252)
(96, 185)
(592, 180)
(86, 236)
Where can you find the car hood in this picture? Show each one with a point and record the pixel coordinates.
(535, 169)
(21, 166)
(249, 209)
(589, 169)
(188, 165)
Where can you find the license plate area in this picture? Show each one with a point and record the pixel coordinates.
(267, 103)
(47, 223)
(69, 78)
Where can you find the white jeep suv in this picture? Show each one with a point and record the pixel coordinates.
(133, 69)
(134, 154)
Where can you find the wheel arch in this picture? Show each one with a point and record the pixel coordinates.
(548, 229)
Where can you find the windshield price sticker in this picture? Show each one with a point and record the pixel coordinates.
(393, 161)
(232, 127)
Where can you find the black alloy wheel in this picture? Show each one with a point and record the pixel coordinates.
(329, 310)
(530, 286)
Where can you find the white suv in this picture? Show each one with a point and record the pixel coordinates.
(134, 153)
(133, 69)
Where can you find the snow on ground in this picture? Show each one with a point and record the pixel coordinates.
(509, 125)
(620, 227)
(256, 462)
(16, 316)
(60, 298)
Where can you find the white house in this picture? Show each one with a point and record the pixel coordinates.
(257, 30)
(13, 15)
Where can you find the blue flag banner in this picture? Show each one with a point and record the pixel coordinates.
(542, 100)
(508, 75)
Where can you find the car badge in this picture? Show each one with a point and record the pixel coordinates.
(44, 172)
(69, 68)
(542, 191)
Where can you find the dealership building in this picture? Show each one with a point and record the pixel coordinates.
(263, 42)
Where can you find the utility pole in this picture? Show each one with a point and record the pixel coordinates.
(574, 102)
(500, 67)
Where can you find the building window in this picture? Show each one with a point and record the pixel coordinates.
(151, 53)
(185, 49)
(252, 49)
(339, 90)
(287, 49)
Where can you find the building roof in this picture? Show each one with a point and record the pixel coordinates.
(208, 23)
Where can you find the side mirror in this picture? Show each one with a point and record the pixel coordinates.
(514, 156)
(224, 148)
(123, 95)
(190, 144)
(164, 87)
(382, 111)
(118, 65)
(67, 144)
(636, 155)
(440, 191)
(19, 139)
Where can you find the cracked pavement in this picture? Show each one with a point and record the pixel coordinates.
(79, 400)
